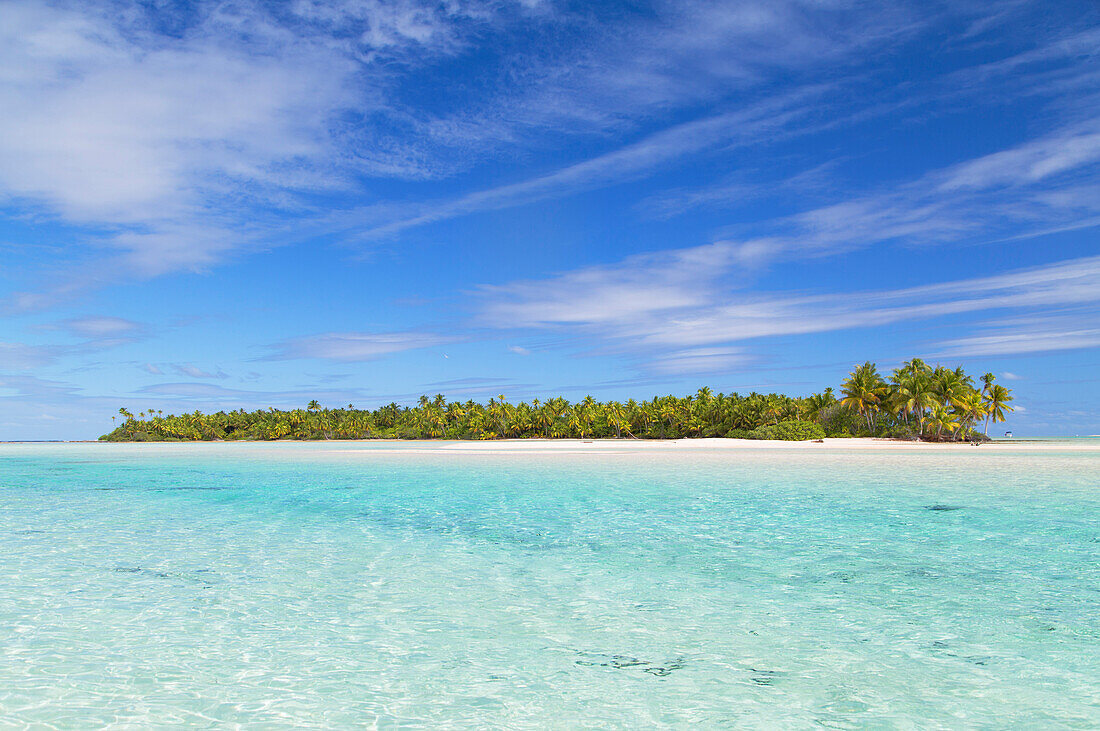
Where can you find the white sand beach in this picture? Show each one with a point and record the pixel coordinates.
(650, 446)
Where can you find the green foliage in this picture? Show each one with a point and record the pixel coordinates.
(789, 431)
(902, 431)
(836, 419)
(932, 403)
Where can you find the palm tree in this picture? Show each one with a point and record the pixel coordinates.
(817, 403)
(940, 419)
(863, 392)
(616, 418)
(913, 366)
(970, 409)
(949, 386)
(913, 394)
(914, 389)
(996, 404)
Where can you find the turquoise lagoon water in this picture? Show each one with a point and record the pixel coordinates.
(299, 585)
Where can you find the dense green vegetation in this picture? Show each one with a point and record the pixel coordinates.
(789, 431)
(918, 401)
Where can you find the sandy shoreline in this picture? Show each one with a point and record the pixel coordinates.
(615, 446)
(640, 446)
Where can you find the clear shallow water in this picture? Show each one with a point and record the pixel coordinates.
(290, 585)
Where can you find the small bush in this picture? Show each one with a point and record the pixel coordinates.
(836, 419)
(737, 434)
(789, 431)
(904, 432)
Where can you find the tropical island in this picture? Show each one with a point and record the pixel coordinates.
(917, 402)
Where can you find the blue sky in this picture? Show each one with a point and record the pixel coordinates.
(223, 205)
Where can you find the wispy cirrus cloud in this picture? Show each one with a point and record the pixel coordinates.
(1045, 184)
(1042, 186)
(1028, 164)
(641, 63)
(180, 139)
(154, 139)
(1061, 67)
(625, 163)
(762, 122)
(679, 311)
(97, 328)
(634, 289)
(699, 360)
(21, 356)
(1037, 340)
(95, 334)
(144, 138)
(395, 29)
(174, 139)
(1071, 328)
(33, 387)
(186, 369)
(351, 347)
(1048, 67)
(736, 191)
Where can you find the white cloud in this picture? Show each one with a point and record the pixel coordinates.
(1028, 163)
(699, 360)
(736, 190)
(20, 356)
(638, 64)
(639, 286)
(356, 346)
(676, 308)
(31, 386)
(153, 140)
(102, 123)
(399, 27)
(102, 327)
(180, 149)
(625, 163)
(519, 350)
(1038, 331)
(152, 369)
(1035, 63)
(1013, 343)
(174, 150)
(185, 369)
(1036, 188)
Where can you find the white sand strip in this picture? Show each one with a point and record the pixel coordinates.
(640, 446)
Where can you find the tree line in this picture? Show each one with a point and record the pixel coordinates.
(917, 401)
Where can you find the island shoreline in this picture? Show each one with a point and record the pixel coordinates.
(635, 446)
